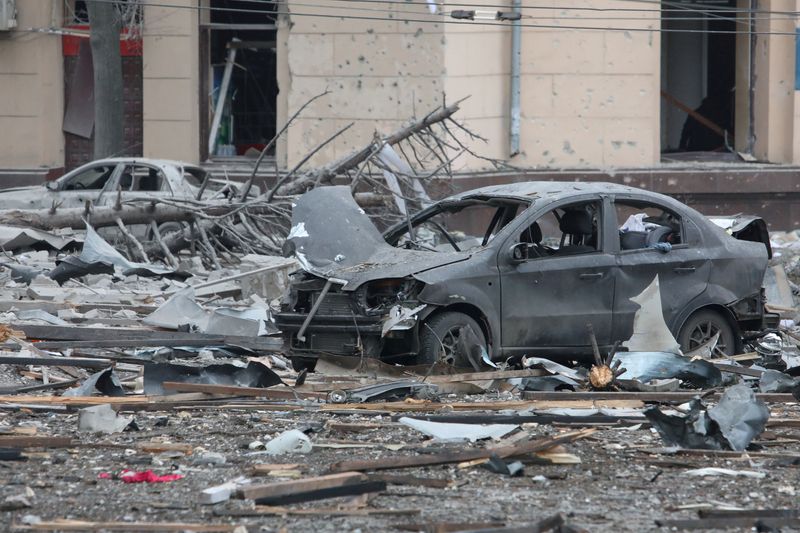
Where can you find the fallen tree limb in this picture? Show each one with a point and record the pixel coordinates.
(327, 173)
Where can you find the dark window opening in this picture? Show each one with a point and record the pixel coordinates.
(642, 225)
(698, 73)
(568, 230)
(248, 115)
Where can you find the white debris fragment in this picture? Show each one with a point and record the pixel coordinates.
(297, 231)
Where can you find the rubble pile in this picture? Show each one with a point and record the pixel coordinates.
(171, 403)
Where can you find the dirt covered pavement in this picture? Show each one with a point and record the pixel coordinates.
(618, 478)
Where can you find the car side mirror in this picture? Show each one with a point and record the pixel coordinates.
(518, 252)
(51, 185)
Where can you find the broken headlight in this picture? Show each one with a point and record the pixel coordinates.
(376, 297)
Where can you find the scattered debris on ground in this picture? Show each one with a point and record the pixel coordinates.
(160, 396)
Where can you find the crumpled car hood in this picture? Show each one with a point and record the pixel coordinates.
(332, 237)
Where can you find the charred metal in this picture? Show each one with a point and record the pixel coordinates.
(519, 268)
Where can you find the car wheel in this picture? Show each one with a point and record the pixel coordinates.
(701, 328)
(439, 339)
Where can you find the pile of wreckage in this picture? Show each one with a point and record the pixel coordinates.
(101, 351)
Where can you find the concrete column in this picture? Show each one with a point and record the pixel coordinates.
(171, 80)
(774, 84)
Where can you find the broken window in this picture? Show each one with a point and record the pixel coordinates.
(461, 226)
(239, 68)
(643, 224)
(698, 75)
(141, 178)
(91, 178)
(568, 230)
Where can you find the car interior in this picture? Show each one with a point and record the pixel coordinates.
(643, 225)
(92, 178)
(569, 230)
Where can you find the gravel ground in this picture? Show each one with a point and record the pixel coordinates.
(616, 487)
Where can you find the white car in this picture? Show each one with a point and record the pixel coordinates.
(103, 180)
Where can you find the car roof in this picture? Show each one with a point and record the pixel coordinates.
(552, 190)
(144, 161)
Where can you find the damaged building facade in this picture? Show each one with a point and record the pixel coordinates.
(600, 86)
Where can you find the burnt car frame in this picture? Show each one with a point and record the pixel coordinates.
(529, 265)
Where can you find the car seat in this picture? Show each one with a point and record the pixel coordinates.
(125, 181)
(532, 235)
(578, 225)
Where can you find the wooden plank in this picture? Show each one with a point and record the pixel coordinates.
(412, 481)
(665, 397)
(55, 361)
(25, 441)
(772, 523)
(106, 337)
(160, 447)
(288, 488)
(232, 390)
(459, 455)
(267, 469)
(350, 489)
(82, 525)
(266, 510)
(563, 401)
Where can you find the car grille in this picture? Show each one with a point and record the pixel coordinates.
(337, 343)
(334, 304)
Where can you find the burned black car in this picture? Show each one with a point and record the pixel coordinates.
(517, 269)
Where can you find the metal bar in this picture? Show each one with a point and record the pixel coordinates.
(223, 93)
(516, 46)
(301, 334)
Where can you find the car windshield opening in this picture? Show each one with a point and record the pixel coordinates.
(459, 226)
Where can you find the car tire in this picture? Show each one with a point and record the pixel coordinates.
(701, 326)
(442, 331)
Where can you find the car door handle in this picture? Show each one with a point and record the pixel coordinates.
(593, 275)
(684, 270)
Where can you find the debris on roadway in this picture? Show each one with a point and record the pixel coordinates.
(332, 375)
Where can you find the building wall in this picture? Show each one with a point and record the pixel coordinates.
(774, 84)
(379, 73)
(588, 98)
(31, 86)
(171, 80)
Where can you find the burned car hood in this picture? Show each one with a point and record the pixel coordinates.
(332, 237)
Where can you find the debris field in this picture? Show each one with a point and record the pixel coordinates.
(146, 385)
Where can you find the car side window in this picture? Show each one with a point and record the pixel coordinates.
(643, 225)
(141, 178)
(569, 230)
(93, 178)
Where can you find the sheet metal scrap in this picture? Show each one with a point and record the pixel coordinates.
(104, 382)
(646, 366)
(396, 390)
(253, 375)
(732, 424)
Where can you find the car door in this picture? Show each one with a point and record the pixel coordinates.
(84, 184)
(549, 298)
(683, 271)
(135, 181)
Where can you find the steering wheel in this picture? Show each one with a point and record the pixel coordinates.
(447, 236)
(77, 185)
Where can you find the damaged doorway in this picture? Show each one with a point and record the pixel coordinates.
(239, 76)
(698, 72)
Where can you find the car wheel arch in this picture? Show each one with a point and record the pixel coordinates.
(468, 309)
(721, 310)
